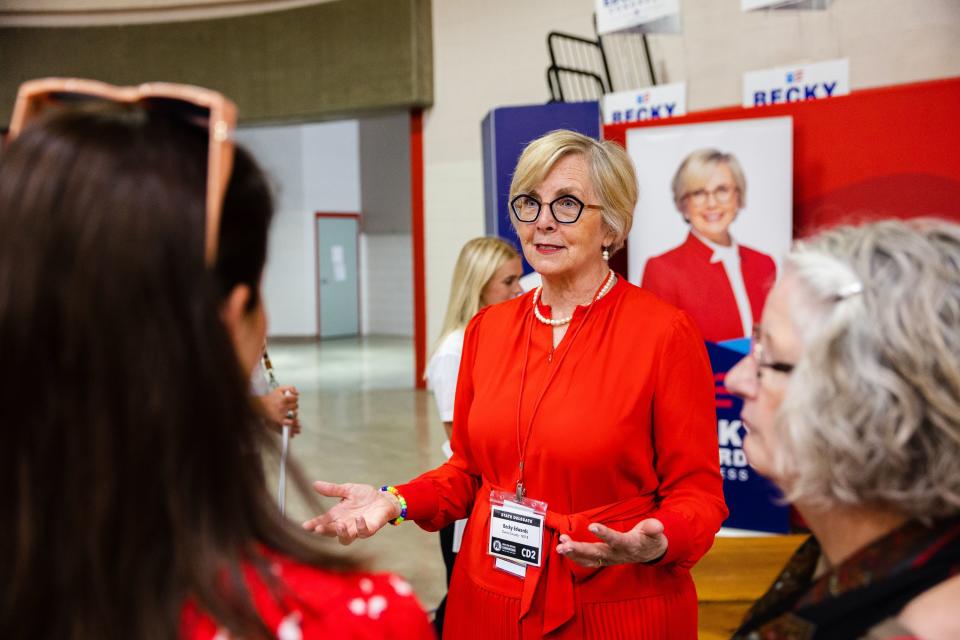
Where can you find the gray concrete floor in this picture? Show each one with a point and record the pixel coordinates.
(363, 421)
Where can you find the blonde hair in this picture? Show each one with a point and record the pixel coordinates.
(479, 259)
(871, 416)
(696, 168)
(609, 167)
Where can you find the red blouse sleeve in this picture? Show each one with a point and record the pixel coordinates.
(685, 437)
(438, 497)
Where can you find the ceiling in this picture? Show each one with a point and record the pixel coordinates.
(73, 13)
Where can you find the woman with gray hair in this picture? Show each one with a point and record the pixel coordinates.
(586, 401)
(722, 284)
(851, 399)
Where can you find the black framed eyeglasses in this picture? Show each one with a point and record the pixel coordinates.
(565, 209)
(756, 350)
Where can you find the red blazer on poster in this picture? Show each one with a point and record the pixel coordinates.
(685, 277)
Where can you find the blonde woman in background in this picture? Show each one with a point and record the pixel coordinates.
(487, 272)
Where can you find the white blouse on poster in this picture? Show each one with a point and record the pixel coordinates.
(442, 371)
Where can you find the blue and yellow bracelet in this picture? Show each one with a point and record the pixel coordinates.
(403, 504)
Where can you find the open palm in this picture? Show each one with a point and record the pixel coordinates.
(362, 511)
(646, 542)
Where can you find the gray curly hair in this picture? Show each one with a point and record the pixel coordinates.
(872, 413)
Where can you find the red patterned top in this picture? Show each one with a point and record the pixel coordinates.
(323, 604)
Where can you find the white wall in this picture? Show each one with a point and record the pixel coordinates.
(313, 167)
(493, 53)
(318, 167)
(387, 284)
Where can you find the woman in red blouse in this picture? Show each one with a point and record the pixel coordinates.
(722, 284)
(589, 395)
(137, 506)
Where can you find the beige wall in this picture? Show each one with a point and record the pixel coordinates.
(887, 42)
(486, 54)
(493, 53)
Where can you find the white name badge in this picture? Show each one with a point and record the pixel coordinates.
(516, 529)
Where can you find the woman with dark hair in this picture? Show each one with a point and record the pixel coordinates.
(137, 504)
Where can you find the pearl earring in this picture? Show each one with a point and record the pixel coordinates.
(606, 253)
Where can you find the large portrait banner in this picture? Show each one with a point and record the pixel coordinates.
(713, 220)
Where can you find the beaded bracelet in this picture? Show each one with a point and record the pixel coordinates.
(403, 504)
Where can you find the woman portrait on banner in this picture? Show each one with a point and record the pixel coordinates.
(719, 282)
(487, 272)
(585, 401)
(852, 407)
(133, 237)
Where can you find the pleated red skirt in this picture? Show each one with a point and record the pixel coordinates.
(476, 613)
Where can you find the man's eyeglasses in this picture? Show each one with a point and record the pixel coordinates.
(196, 105)
(756, 350)
(565, 209)
(722, 194)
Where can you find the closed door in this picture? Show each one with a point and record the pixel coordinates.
(337, 273)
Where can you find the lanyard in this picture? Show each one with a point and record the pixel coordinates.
(522, 448)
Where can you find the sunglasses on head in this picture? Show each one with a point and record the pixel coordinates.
(196, 105)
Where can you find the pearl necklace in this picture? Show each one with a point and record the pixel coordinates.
(608, 283)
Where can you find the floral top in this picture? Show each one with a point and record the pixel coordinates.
(323, 604)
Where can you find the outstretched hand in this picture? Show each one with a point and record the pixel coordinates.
(644, 543)
(362, 511)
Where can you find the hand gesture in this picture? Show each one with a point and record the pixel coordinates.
(280, 408)
(362, 511)
(644, 543)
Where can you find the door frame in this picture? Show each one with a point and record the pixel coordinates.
(417, 231)
(316, 263)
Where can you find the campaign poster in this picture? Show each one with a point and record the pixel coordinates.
(650, 103)
(651, 16)
(714, 217)
(754, 502)
(713, 221)
(796, 83)
(753, 5)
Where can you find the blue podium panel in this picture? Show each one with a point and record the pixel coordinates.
(754, 501)
(506, 131)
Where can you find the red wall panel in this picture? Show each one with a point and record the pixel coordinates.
(888, 152)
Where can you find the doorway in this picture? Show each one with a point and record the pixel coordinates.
(338, 284)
